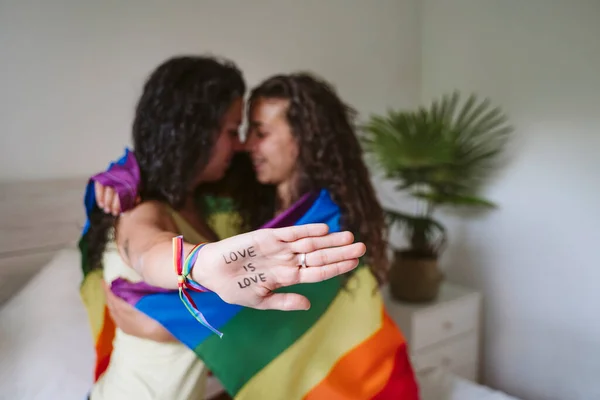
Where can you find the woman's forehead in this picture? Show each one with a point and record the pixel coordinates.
(266, 111)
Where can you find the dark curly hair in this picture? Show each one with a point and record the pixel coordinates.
(177, 120)
(330, 157)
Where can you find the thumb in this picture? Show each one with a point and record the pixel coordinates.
(285, 302)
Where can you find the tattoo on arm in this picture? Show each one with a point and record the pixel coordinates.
(126, 249)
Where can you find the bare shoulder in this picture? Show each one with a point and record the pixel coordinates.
(148, 216)
(140, 228)
(148, 212)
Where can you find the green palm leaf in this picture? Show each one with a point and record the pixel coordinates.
(442, 154)
(426, 235)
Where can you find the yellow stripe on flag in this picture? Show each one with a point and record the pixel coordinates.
(354, 315)
(93, 299)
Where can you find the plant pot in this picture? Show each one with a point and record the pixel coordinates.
(414, 278)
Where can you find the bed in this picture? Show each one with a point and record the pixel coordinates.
(46, 351)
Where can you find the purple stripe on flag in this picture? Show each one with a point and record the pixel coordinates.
(293, 214)
(132, 292)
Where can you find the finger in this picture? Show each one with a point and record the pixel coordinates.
(110, 297)
(312, 275)
(335, 254)
(106, 288)
(310, 244)
(285, 302)
(99, 190)
(115, 208)
(108, 198)
(113, 302)
(293, 233)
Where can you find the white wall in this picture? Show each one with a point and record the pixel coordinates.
(71, 70)
(536, 258)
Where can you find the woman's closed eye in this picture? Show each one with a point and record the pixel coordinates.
(256, 133)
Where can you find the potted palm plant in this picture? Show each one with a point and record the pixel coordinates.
(441, 156)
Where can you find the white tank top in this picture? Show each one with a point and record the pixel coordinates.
(142, 369)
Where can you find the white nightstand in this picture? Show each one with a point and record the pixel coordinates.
(443, 333)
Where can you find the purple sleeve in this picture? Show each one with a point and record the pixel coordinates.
(124, 177)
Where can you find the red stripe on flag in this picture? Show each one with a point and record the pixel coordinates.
(369, 368)
(402, 383)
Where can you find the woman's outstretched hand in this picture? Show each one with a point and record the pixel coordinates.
(246, 269)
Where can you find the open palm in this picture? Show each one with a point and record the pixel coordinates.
(248, 268)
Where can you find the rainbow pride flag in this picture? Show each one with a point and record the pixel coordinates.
(344, 347)
(124, 175)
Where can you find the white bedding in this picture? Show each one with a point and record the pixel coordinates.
(440, 385)
(46, 351)
(45, 341)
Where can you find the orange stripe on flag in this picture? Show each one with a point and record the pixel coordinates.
(104, 345)
(365, 370)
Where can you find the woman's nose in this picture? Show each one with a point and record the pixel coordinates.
(249, 143)
(237, 144)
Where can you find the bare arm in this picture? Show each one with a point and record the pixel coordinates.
(144, 238)
(244, 269)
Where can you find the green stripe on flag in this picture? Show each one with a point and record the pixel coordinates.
(253, 338)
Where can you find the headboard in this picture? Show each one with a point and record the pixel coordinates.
(37, 218)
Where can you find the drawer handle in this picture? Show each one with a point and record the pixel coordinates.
(447, 325)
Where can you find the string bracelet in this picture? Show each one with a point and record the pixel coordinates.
(183, 268)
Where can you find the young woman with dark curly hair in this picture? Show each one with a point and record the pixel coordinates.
(305, 153)
(185, 126)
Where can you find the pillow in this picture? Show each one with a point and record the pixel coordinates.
(45, 340)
